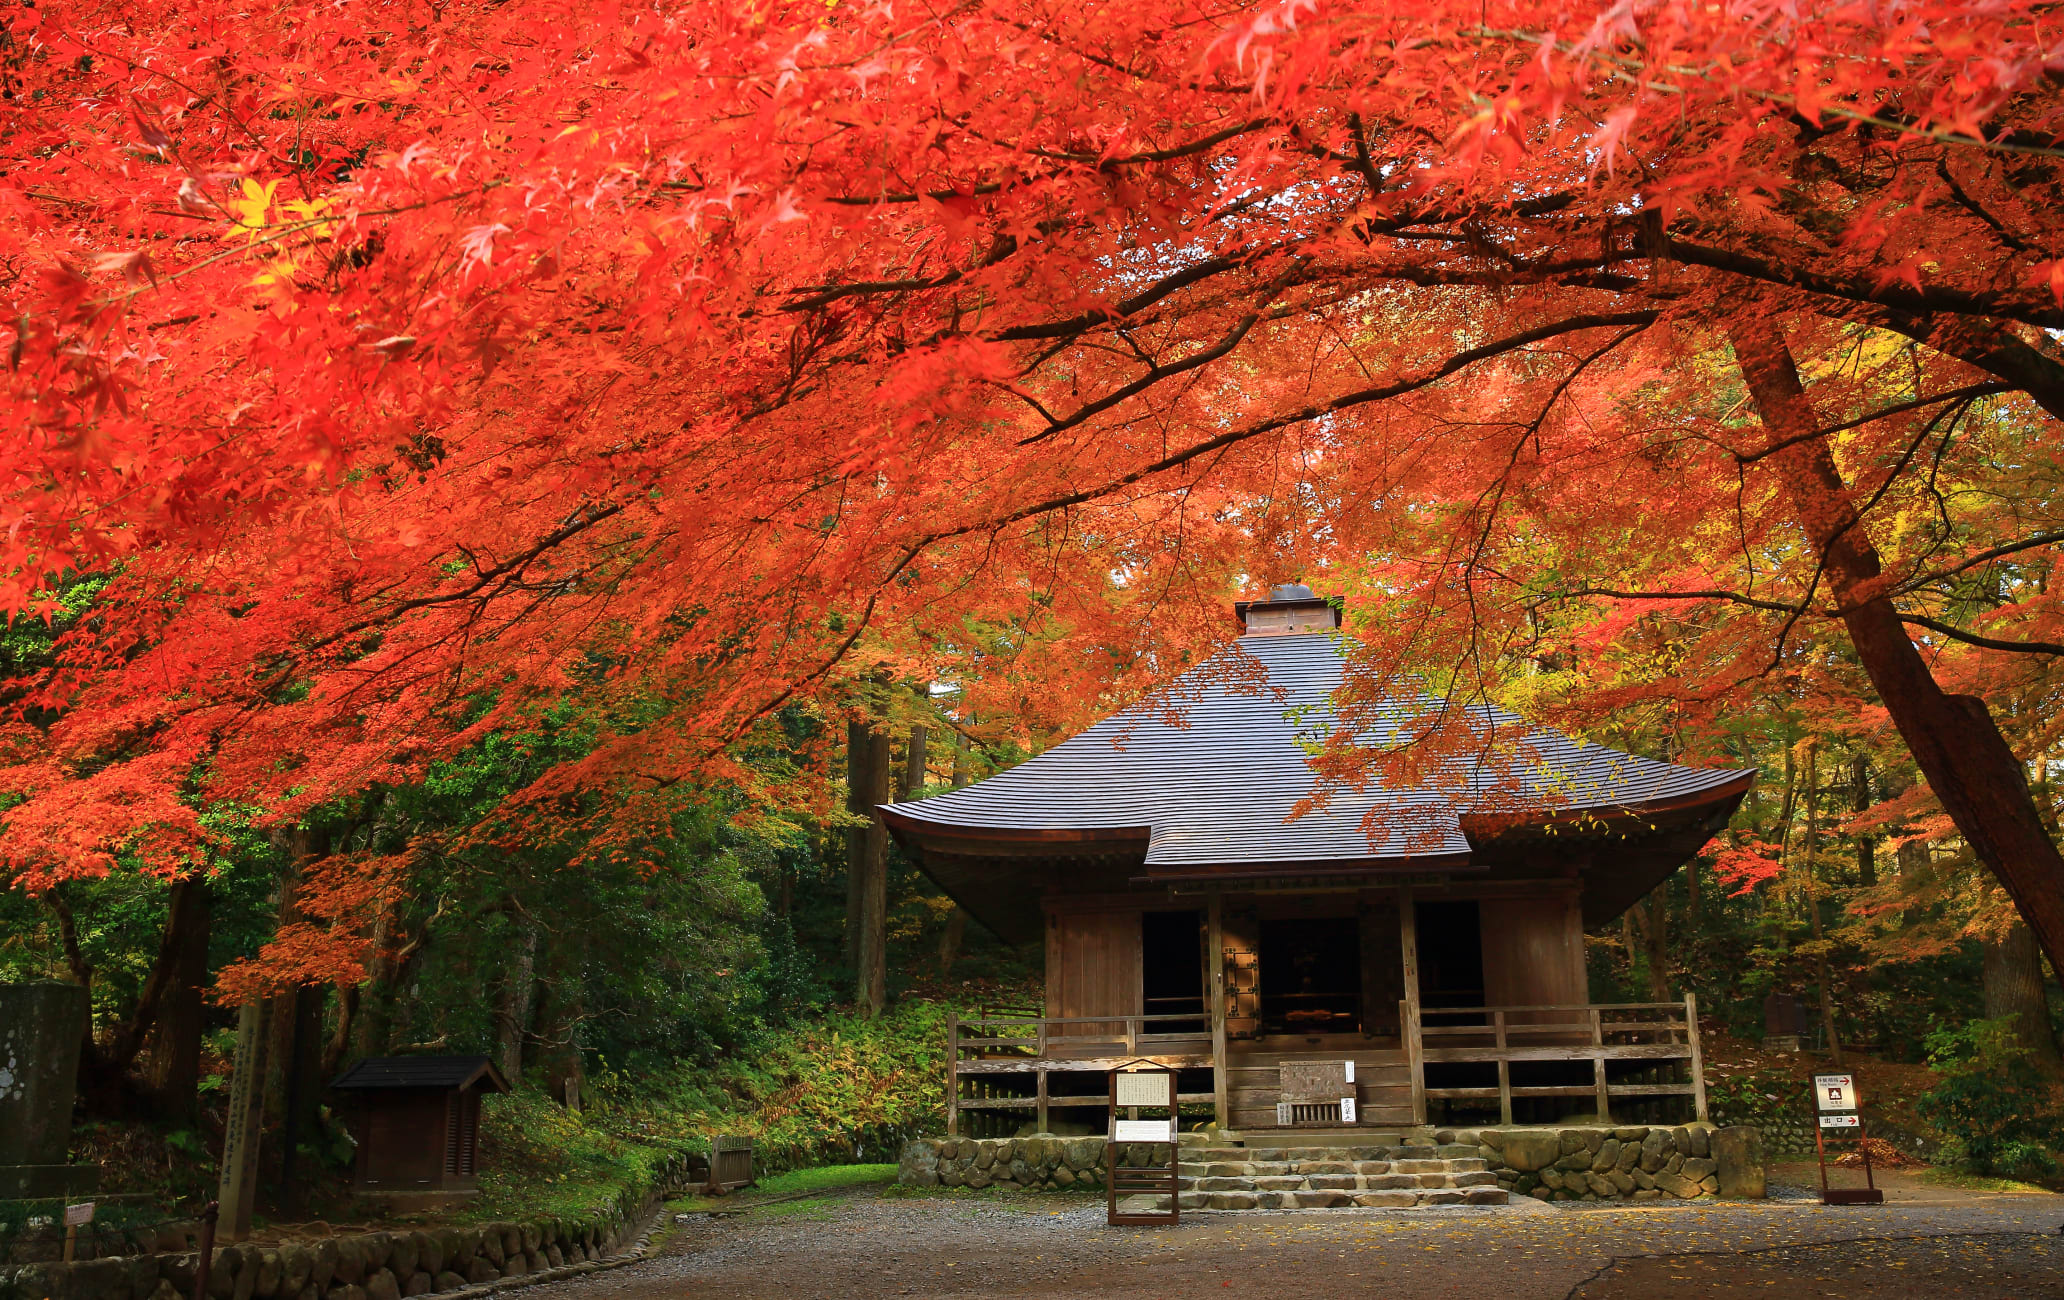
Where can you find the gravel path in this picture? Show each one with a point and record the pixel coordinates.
(865, 1244)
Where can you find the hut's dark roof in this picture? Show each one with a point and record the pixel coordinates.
(1218, 790)
(376, 1072)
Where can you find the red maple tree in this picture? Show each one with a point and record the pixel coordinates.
(405, 365)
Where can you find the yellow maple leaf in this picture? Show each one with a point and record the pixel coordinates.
(249, 207)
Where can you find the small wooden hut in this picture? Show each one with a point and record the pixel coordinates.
(417, 1123)
(1428, 941)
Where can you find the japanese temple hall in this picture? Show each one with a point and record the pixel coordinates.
(1396, 957)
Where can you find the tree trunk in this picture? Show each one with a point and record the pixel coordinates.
(2013, 986)
(1657, 913)
(857, 743)
(519, 988)
(950, 939)
(561, 1009)
(913, 766)
(1820, 946)
(173, 1072)
(868, 848)
(1860, 802)
(1953, 738)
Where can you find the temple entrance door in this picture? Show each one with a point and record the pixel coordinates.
(1311, 976)
(1172, 970)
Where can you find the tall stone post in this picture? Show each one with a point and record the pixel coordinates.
(241, 1124)
(41, 1029)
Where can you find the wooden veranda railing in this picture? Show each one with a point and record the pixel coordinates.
(991, 1055)
(985, 1050)
(1658, 1033)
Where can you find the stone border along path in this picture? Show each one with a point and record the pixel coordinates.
(650, 1235)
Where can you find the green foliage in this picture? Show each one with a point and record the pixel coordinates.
(1998, 1109)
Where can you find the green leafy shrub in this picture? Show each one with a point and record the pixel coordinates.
(1995, 1106)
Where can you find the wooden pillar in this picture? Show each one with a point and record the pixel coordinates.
(1504, 1071)
(953, 1074)
(1598, 1079)
(1041, 1104)
(242, 1123)
(1698, 1062)
(1408, 944)
(1214, 977)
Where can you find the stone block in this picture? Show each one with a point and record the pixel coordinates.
(1485, 1196)
(1420, 1167)
(1678, 1185)
(1653, 1150)
(1635, 1135)
(1323, 1200)
(346, 1291)
(1623, 1182)
(350, 1269)
(1415, 1152)
(1529, 1151)
(1386, 1182)
(1440, 1196)
(419, 1283)
(1644, 1180)
(1385, 1200)
(482, 1270)
(1574, 1163)
(405, 1254)
(379, 1251)
(1551, 1179)
(512, 1242)
(1372, 1167)
(1570, 1140)
(1674, 1163)
(1473, 1178)
(1600, 1185)
(1630, 1156)
(1696, 1169)
(1335, 1182)
(1701, 1140)
(1063, 1176)
(1233, 1200)
(1738, 1161)
(447, 1281)
(381, 1284)
(1456, 1150)
(1279, 1200)
(1491, 1138)
(1607, 1156)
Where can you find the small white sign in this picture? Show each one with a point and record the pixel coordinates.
(1347, 1110)
(1144, 1130)
(1841, 1121)
(1834, 1091)
(1350, 1071)
(1283, 1119)
(1145, 1089)
(78, 1215)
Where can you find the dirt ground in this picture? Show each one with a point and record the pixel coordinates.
(1927, 1242)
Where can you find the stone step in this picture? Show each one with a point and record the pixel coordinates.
(1318, 1199)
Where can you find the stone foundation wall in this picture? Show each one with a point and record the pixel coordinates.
(1632, 1163)
(1042, 1163)
(354, 1266)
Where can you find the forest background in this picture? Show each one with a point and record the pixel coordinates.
(495, 487)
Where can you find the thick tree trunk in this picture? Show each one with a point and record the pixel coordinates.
(519, 989)
(560, 1064)
(173, 1071)
(1953, 738)
(857, 750)
(2013, 986)
(867, 862)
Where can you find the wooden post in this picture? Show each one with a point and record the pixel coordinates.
(242, 1123)
(1504, 1070)
(1598, 1067)
(1698, 1062)
(1408, 944)
(1041, 1103)
(1214, 940)
(953, 1074)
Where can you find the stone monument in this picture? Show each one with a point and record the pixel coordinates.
(41, 1029)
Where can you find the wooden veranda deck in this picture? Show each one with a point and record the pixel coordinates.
(993, 1055)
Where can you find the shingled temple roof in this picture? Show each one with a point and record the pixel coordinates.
(1212, 798)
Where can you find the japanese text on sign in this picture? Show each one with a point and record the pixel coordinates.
(1834, 1092)
(1145, 1089)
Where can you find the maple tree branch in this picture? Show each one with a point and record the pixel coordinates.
(1983, 557)
(1965, 394)
(1983, 642)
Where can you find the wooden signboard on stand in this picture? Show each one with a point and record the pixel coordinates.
(1840, 1114)
(1138, 1087)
